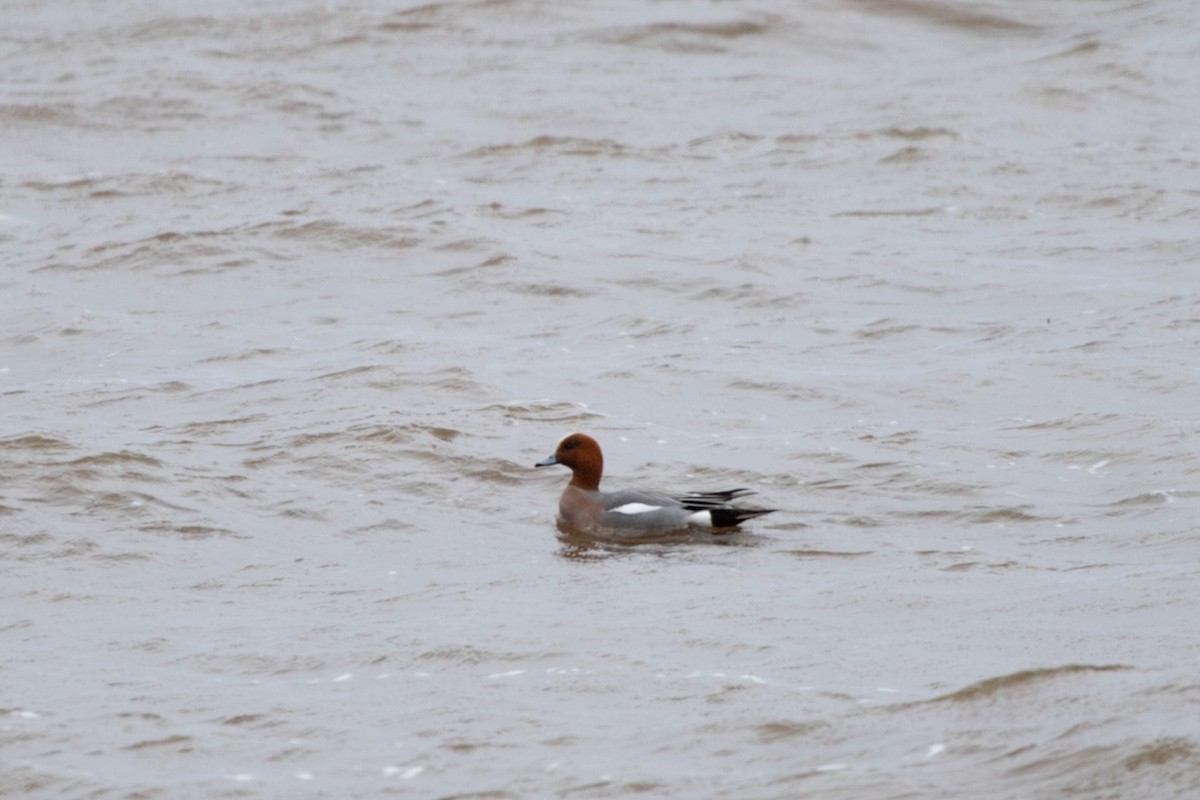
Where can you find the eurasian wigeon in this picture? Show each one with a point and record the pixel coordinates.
(584, 507)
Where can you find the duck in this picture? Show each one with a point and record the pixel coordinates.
(583, 507)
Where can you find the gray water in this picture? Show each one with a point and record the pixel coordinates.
(295, 295)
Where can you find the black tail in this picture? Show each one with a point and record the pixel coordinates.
(717, 504)
(731, 517)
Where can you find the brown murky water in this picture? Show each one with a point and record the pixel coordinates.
(295, 295)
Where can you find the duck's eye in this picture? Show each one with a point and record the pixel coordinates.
(569, 444)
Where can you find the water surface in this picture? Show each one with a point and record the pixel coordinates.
(295, 296)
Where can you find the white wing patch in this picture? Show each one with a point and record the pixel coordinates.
(635, 508)
(701, 518)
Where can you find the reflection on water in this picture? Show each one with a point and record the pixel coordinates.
(579, 544)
